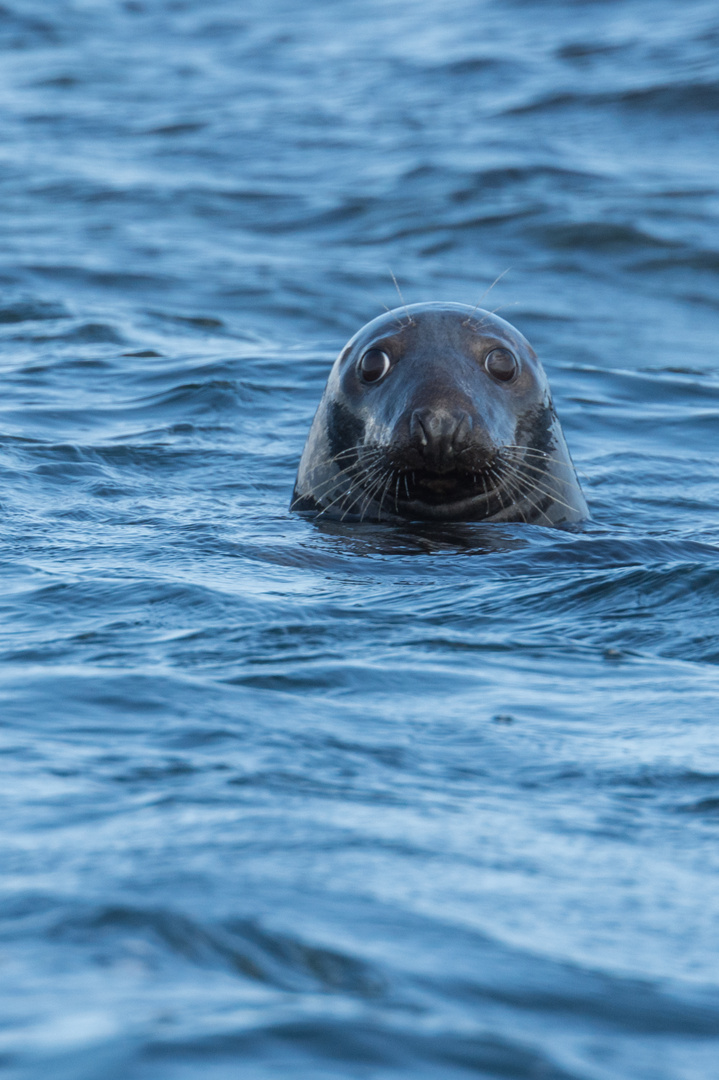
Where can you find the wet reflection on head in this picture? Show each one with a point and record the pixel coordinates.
(438, 413)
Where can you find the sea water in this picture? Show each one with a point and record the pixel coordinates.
(285, 798)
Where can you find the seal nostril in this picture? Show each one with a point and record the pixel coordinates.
(439, 434)
(417, 430)
(462, 430)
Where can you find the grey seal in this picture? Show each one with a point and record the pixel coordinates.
(438, 412)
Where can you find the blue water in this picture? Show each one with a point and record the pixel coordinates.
(325, 802)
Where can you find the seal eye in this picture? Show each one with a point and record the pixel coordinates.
(374, 365)
(501, 364)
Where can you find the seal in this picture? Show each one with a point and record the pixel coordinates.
(438, 412)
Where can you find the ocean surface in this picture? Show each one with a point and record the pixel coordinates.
(312, 801)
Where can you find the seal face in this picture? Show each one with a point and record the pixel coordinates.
(438, 412)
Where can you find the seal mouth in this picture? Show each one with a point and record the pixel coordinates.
(445, 488)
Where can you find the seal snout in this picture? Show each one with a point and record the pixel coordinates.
(439, 435)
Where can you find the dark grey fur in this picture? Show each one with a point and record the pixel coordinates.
(438, 439)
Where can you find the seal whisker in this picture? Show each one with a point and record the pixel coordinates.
(380, 485)
(535, 504)
(369, 451)
(529, 496)
(385, 491)
(468, 320)
(366, 480)
(543, 454)
(341, 499)
(541, 509)
(323, 487)
(545, 489)
(327, 486)
(488, 315)
(498, 487)
(361, 482)
(538, 459)
(330, 482)
(402, 300)
(330, 485)
(517, 448)
(490, 477)
(333, 502)
(511, 483)
(510, 303)
(315, 488)
(538, 475)
(372, 492)
(516, 492)
(402, 326)
(506, 487)
(358, 478)
(541, 466)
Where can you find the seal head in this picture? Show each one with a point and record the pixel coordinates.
(438, 412)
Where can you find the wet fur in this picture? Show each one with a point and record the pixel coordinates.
(361, 462)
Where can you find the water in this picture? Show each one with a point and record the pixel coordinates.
(318, 801)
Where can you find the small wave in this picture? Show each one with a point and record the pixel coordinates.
(26, 30)
(686, 259)
(84, 333)
(367, 1044)
(180, 127)
(32, 310)
(704, 808)
(602, 236)
(241, 946)
(212, 395)
(693, 98)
